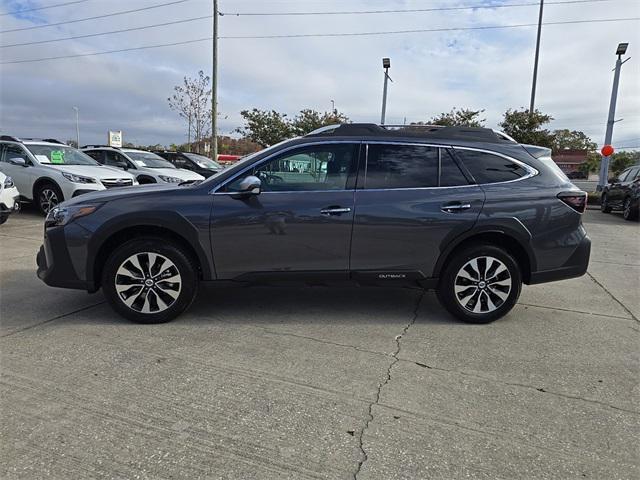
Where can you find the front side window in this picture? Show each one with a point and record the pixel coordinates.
(401, 166)
(489, 168)
(14, 151)
(623, 176)
(317, 167)
(60, 155)
(450, 173)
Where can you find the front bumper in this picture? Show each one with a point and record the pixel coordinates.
(575, 266)
(10, 205)
(55, 267)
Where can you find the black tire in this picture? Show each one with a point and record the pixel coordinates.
(47, 196)
(489, 294)
(144, 180)
(161, 292)
(604, 204)
(627, 210)
(3, 218)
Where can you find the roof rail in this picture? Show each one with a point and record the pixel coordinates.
(100, 146)
(10, 138)
(48, 140)
(421, 131)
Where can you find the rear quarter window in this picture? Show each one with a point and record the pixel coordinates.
(490, 168)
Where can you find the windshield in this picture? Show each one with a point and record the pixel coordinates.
(60, 155)
(203, 162)
(148, 159)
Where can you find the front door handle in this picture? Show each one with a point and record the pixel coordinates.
(455, 207)
(335, 210)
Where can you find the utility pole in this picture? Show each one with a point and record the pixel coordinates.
(77, 128)
(535, 63)
(386, 64)
(604, 164)
(214, 86)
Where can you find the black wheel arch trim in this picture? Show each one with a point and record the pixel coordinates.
(158, 219)
(41, 181)
(511, 228)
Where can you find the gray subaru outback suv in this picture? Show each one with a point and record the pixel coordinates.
(466, 211)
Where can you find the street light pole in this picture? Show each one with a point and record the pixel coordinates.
(77, 128)
(214, 86)
(604, 164)
(535, 62)
(386, 64)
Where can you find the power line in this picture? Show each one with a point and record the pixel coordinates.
(412, 10)
(488, 27)
(106, 33)
(393, 32)
(124, 12)
(18, 12)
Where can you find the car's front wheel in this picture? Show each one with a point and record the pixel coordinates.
(150, 280)
(48, 196)
(480, 284)
(628, 211)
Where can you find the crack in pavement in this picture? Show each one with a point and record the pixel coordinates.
(522, 385)
(575, 311)
(364, 456)
(58, 317)
(612, 296)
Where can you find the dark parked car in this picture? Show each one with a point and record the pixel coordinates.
(577, 175)
(623, 193)
(192, 161)
(468, 212)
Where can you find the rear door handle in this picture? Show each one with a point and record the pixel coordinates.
(335, 210)
(455, 207)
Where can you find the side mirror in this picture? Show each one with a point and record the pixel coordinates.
(18, 161)
(250, 186)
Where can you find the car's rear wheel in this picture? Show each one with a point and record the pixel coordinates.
(480, 284)
(628, 211)
(150, 280)
(48, 196)
(604, 203)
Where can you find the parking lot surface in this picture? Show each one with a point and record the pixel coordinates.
(315, 382)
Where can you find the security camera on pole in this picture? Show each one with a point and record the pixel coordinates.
(607, 150)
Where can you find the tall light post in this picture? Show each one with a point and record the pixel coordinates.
(604, 165)
(532, 105)
(386, 64)
(214, 86)
(77, 127)
(333, 107)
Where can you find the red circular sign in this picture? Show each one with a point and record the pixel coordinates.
(607, 151)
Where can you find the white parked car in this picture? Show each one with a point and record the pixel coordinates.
(48, 172)
(9, 198)
(147, 167)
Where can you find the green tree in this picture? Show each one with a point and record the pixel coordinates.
(621, 160)
(592, 164)
(526, 128)
(459, 117)
(309, 120)
(571, 139)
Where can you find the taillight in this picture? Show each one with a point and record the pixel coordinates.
(576, 200)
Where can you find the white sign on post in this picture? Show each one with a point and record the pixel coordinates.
(115, 139)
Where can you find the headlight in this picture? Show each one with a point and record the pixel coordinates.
(63, 215)
(78, 178)
(170, 179)
(8, 182)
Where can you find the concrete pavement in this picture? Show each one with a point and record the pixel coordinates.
(323, 382)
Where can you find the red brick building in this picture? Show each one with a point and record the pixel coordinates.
(570, 160)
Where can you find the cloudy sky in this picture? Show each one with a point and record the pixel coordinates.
(432, 71)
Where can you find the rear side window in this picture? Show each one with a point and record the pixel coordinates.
(401, 166)
(489, 168)
(450, 174)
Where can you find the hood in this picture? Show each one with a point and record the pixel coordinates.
(94, 171)
(100, 196)
(177, 172)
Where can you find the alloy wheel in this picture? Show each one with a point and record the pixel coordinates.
(148, 282)
(482, 285)
(48, 199)
(627, 209)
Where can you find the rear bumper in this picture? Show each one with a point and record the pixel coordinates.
(575, 266)
(9, 205)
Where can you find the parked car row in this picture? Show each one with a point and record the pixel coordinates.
(623, 193)
(48, 172)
